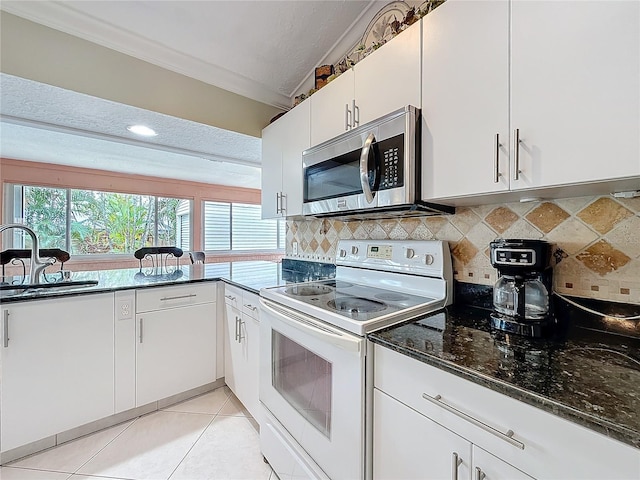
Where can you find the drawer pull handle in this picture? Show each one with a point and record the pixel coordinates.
(250, 307)
(507, 437)
(164, 299)
(456, 461)
(230, 297)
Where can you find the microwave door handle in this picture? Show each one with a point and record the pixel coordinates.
(364, 170)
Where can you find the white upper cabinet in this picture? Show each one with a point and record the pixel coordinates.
(555, 102)
(389, 78)
(465, 100)
(332, 109)
(384, 81)
(575, 69)
(282, 145)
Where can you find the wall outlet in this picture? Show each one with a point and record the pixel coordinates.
(125, 309)
(295, 248)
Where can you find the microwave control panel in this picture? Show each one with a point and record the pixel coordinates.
(391, 152)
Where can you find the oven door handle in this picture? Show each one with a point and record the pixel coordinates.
(364, 168)
(309, 326)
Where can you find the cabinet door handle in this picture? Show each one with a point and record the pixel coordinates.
(516, 152)
(283, 202)
(240, 336)
(479, 474)
(507, 437)
(140, 330)
(237, 321)
(164, 299)
(250, 307)
(347, 117)
(456, 461)
(5, 329)
(278, 203)
(230, 297)
(496, 160)
(356, 114)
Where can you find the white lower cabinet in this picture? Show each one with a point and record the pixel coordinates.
(175, 340)
(241, 346)
(57, 366)
(409, 445)
(425, 418)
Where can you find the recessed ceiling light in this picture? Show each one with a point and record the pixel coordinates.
(142, 130)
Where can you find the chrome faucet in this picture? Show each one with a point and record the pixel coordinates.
(36, 264)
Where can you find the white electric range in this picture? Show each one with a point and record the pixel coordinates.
(314, 357)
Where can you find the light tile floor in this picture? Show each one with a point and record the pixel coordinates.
(205, 438)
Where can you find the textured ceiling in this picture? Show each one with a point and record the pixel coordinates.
(49, 124)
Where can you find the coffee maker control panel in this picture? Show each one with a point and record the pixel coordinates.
(514, 256)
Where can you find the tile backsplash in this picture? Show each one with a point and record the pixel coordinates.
(597, 240)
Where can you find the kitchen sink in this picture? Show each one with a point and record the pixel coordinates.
(9, 290)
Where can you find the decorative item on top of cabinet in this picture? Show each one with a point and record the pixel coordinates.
(535, 111)
(283, 142)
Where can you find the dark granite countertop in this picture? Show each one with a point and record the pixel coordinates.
(584, 375)
(249, 275)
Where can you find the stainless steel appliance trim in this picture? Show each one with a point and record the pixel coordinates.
(364, 173)
(312, 327)
(507, 436)
(401, 121)
(5, 327)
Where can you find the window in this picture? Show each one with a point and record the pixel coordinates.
(93, 222)
(238, 227)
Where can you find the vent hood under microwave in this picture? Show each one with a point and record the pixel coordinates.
(372, 171)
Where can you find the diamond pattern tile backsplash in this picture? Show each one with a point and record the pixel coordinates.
(597, 240)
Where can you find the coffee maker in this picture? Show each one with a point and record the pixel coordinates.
(521, 296)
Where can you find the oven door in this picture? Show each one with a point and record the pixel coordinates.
(312, 382)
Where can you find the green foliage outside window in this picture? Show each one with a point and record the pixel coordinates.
(98, 222)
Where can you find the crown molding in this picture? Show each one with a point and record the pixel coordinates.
(68, 20)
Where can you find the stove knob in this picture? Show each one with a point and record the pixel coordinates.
(354, 250)
(411, 253)
(428, 259)
(343, 253)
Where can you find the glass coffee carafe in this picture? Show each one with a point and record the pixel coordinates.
(526, 298)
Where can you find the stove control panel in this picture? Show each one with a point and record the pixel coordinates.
(417, 257)
(384, 252)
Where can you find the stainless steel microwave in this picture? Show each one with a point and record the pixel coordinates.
(372, 169)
